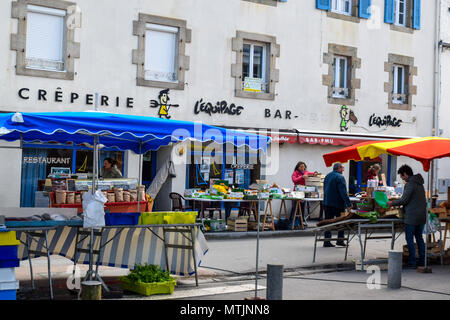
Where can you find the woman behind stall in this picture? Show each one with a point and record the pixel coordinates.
(298, 178)
(110, 170)
(373, 172)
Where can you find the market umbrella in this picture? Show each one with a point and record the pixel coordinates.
(424, 150)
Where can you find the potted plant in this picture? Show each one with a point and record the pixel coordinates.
(148, 280)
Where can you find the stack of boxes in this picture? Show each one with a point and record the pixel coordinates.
(317, 183)
(8, 262)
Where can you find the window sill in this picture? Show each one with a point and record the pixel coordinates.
(255, 95)
(179, 85)
(395, 27)
(342, 16)
(272, 3)
(398, 106)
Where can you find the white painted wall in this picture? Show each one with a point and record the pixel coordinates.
(303, 33)
(10, 173)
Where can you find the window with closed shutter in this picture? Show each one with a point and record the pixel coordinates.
(160, 52)
(45, 38)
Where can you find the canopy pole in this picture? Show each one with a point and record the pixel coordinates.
(95, 166)
(140, 174)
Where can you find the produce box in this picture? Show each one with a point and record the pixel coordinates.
(8, 238)
(238, 224)
(154, 217)
(305, 188)
(122, 218)
(148, 289)
(148, 280)
(235, 195)
(8, 295)
(180, 217)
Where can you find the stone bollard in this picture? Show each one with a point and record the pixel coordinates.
(91, 290)
(274, 289)
(395, 269)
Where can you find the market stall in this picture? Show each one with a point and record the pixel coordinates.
(124, 132)
(424, 150)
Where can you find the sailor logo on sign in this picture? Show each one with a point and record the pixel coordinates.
(162, 104)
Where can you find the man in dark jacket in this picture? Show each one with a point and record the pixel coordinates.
(414, 205)
(335, 199)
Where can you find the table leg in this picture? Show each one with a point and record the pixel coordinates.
(297, 204)
(48, 264)
(29, 260)
(193, 254)
(315, 247)
(346, 248)
(361, 246)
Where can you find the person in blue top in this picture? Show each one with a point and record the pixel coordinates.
(335, 200)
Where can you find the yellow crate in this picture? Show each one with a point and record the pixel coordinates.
(8, 238)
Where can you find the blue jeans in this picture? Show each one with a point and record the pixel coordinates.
(412, 232)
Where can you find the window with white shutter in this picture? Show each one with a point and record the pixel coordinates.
(45, 38)
(161, 53)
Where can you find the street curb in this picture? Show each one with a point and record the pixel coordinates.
(253, 234)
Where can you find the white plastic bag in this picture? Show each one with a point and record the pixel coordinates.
(433, 225)
(93, 210)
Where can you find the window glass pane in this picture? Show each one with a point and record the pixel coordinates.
(246, 61)
(257, 61)
(44, 41)
(160, 50)
(342, 72)
(347, 6)
(400, 80)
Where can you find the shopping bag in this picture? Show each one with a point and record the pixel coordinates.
(93, 209)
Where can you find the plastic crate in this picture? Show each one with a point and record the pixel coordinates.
(9, 285)
(8, 238)
(180, 217)
(122, 218)
(7, 275)
(9, 263)
(8, 252)
(148, 289)
(8, 295)
(152, 217)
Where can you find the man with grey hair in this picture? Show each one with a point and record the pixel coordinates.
(335, 200)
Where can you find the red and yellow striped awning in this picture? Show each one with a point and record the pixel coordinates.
(421, 149)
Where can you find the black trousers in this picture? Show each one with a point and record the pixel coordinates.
(331, 213)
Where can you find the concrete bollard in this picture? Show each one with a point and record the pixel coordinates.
(395, 269)
(274, 289)
(91, 290)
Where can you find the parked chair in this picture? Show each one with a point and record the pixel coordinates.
(177, 202)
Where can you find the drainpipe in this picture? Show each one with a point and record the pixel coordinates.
(437, 93)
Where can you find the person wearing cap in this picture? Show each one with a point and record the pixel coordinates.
(335, 200)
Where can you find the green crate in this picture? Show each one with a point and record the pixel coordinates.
(148, 289)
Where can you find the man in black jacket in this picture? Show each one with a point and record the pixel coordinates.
(414, 205)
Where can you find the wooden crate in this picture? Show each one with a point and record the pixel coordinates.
(239, 224)
(253, 225)
(440, 212)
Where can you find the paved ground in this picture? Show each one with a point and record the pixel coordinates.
(227, 272)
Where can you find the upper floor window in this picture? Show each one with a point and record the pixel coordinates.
(399, 96)
(161, 53)
(254, 72)
(349, 10)
(341, 76)
(254, 65)
(45, 38)
(400, 12)
(342, 6)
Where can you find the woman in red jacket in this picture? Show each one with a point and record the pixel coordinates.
(298, 178)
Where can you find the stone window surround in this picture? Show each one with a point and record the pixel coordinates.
(410, 89)
(273, 3)
(328, 79)
(353, 18)
(18, 41)
(183, 61)
(236, 69)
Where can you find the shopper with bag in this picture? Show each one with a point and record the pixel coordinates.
(414, 205)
